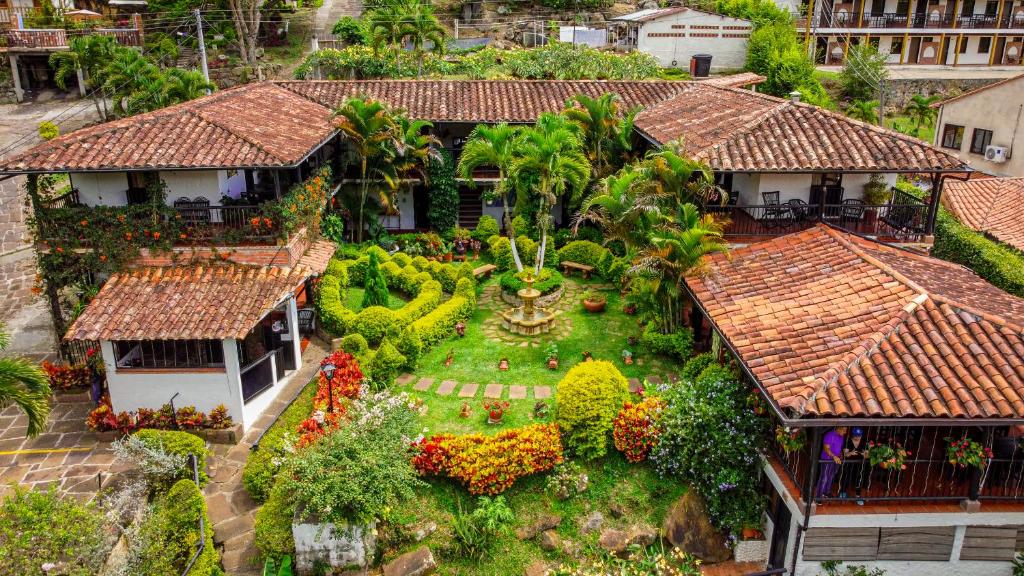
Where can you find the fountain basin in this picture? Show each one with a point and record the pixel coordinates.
(517, 321)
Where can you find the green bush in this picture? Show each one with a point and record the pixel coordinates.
(678, 344)
(588, 399)
(335, 318)
(523, 227)
(355, 344)
(351, 31)
(175, 442)
(38, 527)
(428, 298)
(401, 259)
(273, 530)
(486, 227)
(376, 287)
(263, 463)
(169, 536)
(440, 323)
(694, 366)
(617, 270)
(386, 363)
(410, 345)
(583, 252)
(376, 322)
(775, 52)
(998, 263)
(501, 253)
(547, 281)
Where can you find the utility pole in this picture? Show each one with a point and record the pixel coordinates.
(881, 101)
(202, 47)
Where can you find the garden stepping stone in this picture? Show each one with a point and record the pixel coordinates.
(423, 385)
(654, 380)
(468, 390)
(493, 391)
(517, 392)
(634, 386)
(541, 392)
(405, 379)
(446, 387)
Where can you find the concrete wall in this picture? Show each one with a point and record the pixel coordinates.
(101, 188)
(999, 109)
(17, 260)
(131, 389)
(675, 38)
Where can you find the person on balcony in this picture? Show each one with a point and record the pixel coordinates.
(854, 470)
(830, 461)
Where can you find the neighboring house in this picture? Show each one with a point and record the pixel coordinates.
(937, 32)
(29, 50)
(674, 35)
(992, 206)
(836, 330)
(982, 127)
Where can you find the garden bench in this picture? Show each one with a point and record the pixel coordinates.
(568, 266)
(484, 271)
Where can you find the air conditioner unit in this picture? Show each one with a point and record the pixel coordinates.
(995, 154)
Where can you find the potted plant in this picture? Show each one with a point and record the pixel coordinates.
(496, 410)
(552, 356)
(887, 457)
(460, 328)
(627, 356)
(587, 356)
(503, 365)
(594, 301)
(964, 453)
(790, 439)
(540, 410)
(876, 193)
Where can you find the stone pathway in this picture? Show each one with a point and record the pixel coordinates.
(491, 301)
(232, 512)
(495, 391)
(66, 455)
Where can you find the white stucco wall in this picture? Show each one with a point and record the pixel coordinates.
(790, 186)
(101, 188)
(131, 389)
(677, 37)
(231, 183)
(192, 185)
(999, 109)
(110, 188)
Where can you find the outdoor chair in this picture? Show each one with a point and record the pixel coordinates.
(193, 211)
(799, 209)
(307, 320)
(775, 215)
(852, 210)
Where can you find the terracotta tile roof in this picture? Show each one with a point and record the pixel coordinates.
(942, 103)
(994, 206)
(318, 255)
(279, 123)
(734, 80)
(741, 130)
(184, 303)
(249, 126)
(834, 325)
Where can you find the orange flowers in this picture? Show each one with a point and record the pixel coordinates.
(636, 428)
(127, 235)
(83, 223)
(156, 235)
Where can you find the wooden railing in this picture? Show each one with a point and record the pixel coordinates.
(903, 222)
(66, 200)
(58, 37)
(903, 20)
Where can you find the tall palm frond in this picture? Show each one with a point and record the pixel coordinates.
(24, 384)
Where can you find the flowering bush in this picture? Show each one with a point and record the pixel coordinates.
(345, 385)
(301, 206)
(490, 464)
(636, 430)
(887, 456)
(64, 377)
(790, 439)
(964, 452)
(104, 419)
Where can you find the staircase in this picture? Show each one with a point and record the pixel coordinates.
(471, 207)
(187, 58)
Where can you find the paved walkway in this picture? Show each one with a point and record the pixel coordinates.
(65, 455)
(232, 512)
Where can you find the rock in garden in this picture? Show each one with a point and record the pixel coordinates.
(687, 527)
(616, 510)
(592, 523)
(550, 540)
(538, 568)
(615, 542)
(642, 535)
(419, 562)
(542, 523)
(421, 531)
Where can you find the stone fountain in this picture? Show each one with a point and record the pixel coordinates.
(528, 319)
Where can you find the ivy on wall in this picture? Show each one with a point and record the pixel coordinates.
(443, 211)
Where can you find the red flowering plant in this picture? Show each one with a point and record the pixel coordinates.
(317, 426)
(888, 456)
(635, 430)
(790, 439)
(67, 377)
(104, 419)
(345, 385)
(964, 452)
(490, 464)
(189, 418)
(496, 410)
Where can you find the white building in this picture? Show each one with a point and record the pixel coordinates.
(984, 126)
(674, 35)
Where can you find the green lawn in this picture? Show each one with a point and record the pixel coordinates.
(354, 300)
(905, 125)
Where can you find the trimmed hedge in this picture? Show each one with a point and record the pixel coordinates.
(439, 323)
(997, 263)
(273, 530)
(588, 399)
(170, 535)
(678, 344)
(548, 281)
(376, 322)
(609, 267)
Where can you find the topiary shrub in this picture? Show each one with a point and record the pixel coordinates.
(410, 345)
(588, 399)
(376, 286)
(374, 323)
(386, 363)
(547, 281)
(335, 318)
(427, 299)
(440, 322)
(486, 227)
(354, 344)
(401, 259)
(169, 536)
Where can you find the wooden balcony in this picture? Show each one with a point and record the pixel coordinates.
(58, 38)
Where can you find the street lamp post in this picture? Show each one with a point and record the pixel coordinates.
(328, 372)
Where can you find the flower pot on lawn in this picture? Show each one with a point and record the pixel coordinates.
(594, 306)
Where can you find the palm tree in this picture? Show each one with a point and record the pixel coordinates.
(672, 179)
(613, 208)
(419, 26)
(87, 54)
(920, 110)
(605, 130)
(24, 384)
(385, 25)
(185, 85)
(493, 146)
(128, 73)
(372, 131)
(415, 148)
(678, 247)
(863, 110)
(551, 157)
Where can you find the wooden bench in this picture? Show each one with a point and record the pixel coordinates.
(568, 266)
(484, 271)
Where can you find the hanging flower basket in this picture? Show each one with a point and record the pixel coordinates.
(790, 439)
(964, 453)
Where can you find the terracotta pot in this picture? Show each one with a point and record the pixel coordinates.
(495, 417)
(752, 534)
(553, 363)
(628, 360)
(448, 257)
(503, 365)
(593, 306)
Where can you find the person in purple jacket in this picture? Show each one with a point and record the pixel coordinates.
(831, 460)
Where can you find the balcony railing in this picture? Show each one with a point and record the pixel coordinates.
(58, 38)
(926, 474)
(903, 20)
(261, 374)
(902, 222)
